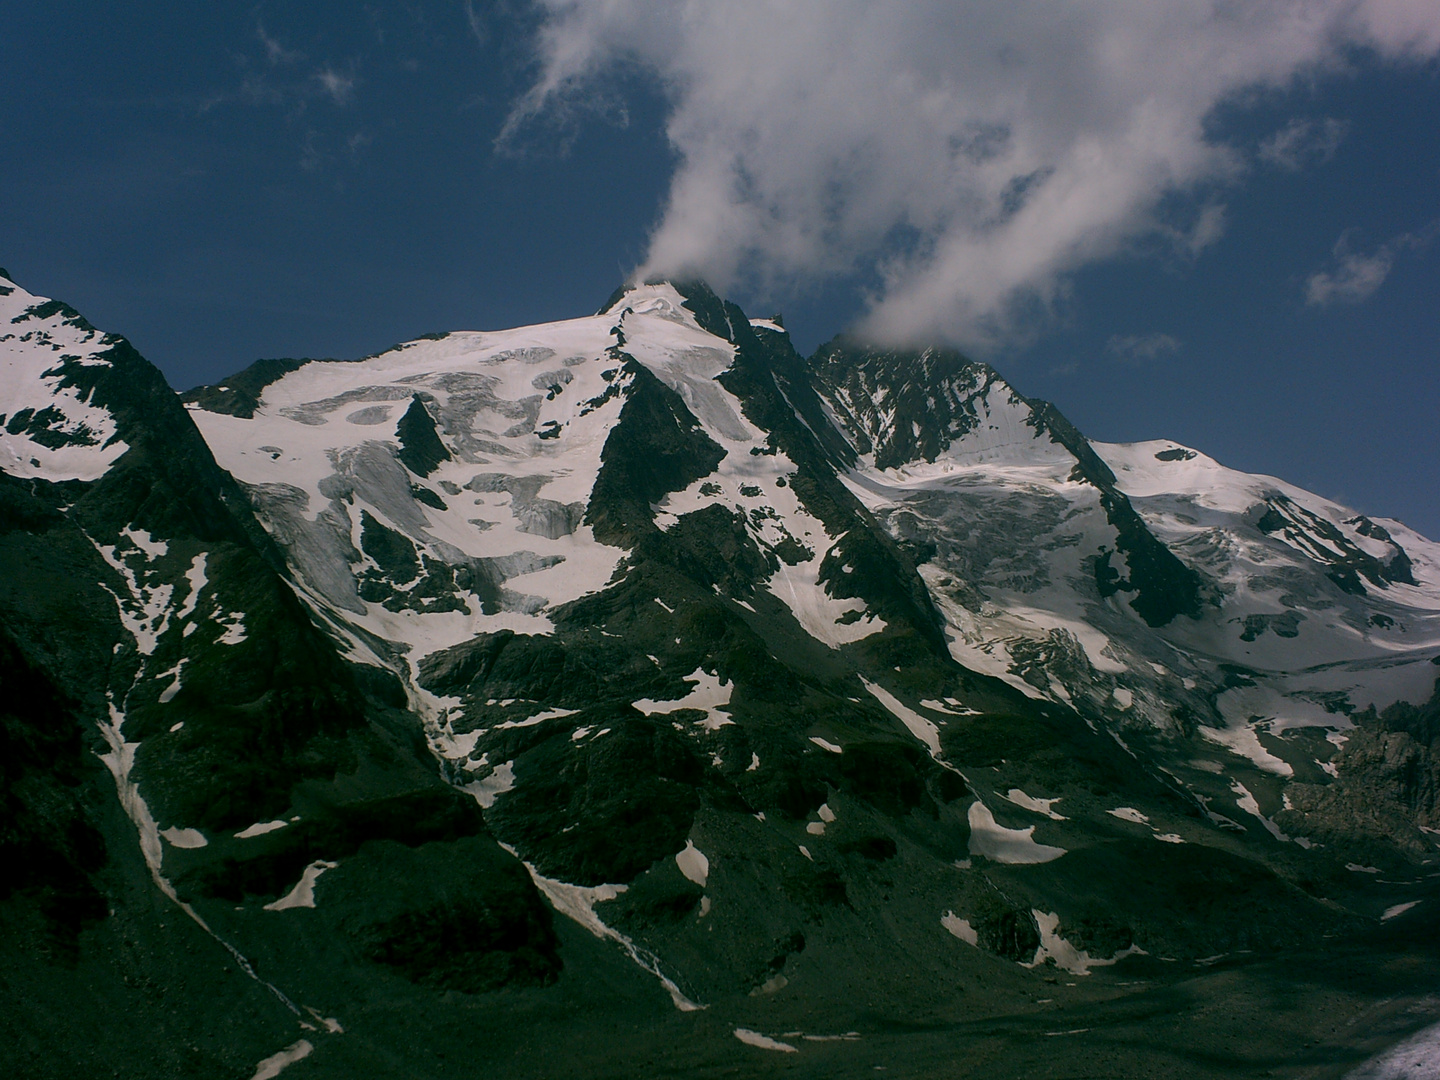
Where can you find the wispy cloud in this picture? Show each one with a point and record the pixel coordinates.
(275, 53)
(1303, 142)
(477, 26)
(967, 155)
(1354, 276)
(1141, 348)
(336, 85)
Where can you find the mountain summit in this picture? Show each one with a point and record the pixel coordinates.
(633, 695)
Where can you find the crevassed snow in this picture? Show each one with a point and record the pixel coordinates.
(1002, 845)
(1029, 802)
(693, 863)
(493, 395)
(303, 894)
(1042, 628)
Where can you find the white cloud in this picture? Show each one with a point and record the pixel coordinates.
(971, 155)
(1301, 142)
(1141, 348)
(1355, 275)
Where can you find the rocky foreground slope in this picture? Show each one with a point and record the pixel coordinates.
(631, 695)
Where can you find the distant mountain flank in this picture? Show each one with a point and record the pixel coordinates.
(632, 694)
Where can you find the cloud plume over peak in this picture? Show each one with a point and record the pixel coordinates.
(965, 156)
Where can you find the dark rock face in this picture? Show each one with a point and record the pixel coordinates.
(420, 447)
(1387, 783)
(905, 405)
(910, 406)
(1322, 540)
(240, 394)
(656, 447)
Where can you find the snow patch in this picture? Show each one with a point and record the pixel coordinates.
(1039, 806)
(1002, 845)
(537, 718)
(1248, 803)
(693, 863)
(578, 902)
(1243, 740)
(197, 579)
(184, 838)
(273, 1065)
(710, 695)
(303, 894)
(764, 1042)
(260, 828)
(500, 780)
(961, 928)
(168, 694)
(923, 729)
(1065, 955)
(1129, 813)
(941, 707)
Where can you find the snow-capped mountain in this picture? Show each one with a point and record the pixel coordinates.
(573, 682)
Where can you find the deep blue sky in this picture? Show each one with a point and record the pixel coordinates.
(171, 174)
